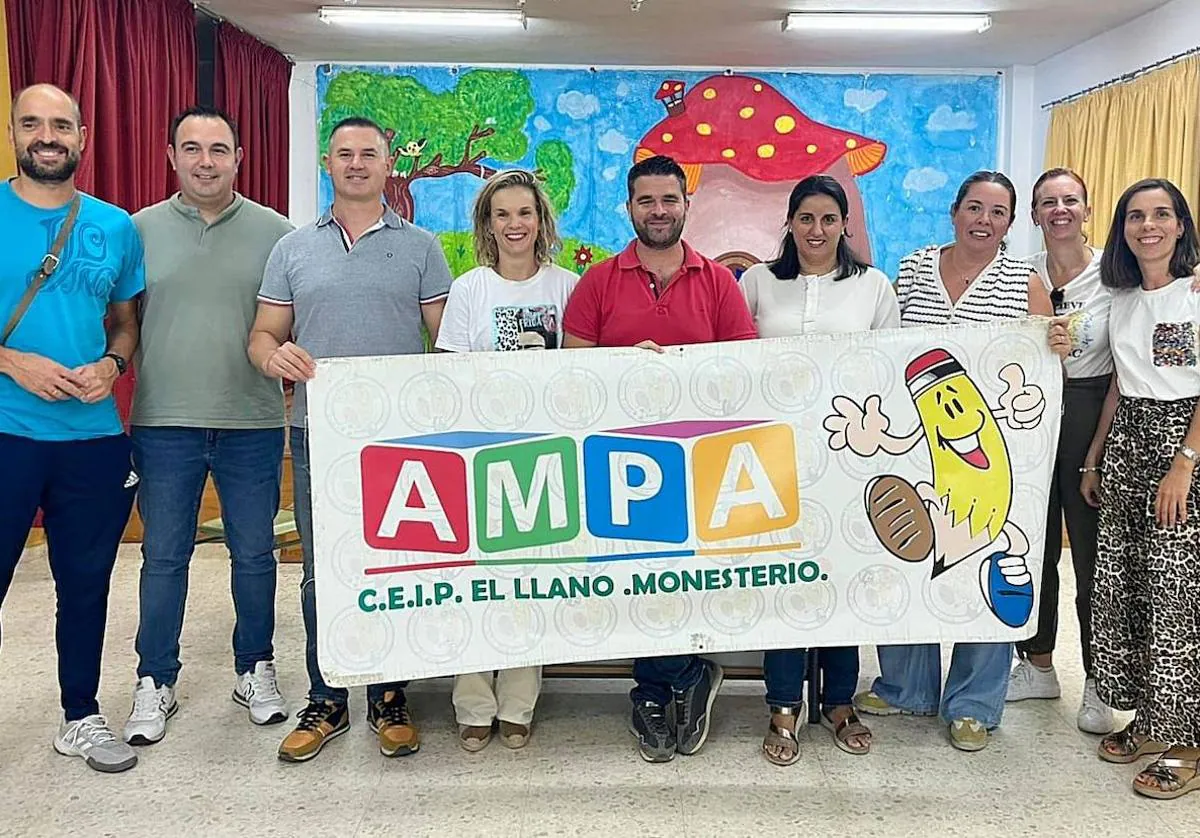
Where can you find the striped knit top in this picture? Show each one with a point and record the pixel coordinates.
(1000, 292)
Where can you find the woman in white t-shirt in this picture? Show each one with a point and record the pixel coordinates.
(816, 286)
(1146, 595)
(515, 299)
(1070, 270)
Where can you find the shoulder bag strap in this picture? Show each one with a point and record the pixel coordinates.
(50, 263)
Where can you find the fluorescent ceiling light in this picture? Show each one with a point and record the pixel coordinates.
(885, 22)
(379, 16)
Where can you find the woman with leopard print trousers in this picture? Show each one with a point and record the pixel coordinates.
(1146, 596)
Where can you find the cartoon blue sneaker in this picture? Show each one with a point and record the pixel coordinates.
(1007, 588)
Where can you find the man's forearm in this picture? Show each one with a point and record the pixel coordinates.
(123, 338)
(261, 346)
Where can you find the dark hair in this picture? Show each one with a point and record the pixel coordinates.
(359, 122)
(1119, 267)
(660, 164)
(787, 266)
(985, 176)
(204, 112)
(1050, 174)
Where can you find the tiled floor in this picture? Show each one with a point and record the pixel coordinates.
(215, 774)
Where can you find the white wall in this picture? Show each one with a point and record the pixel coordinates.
(302, 168)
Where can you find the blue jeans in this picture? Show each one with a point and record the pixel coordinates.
(658, 679)
(911, 679)
(784, 671)
(85, 491)
(174, 464)
(318, 690)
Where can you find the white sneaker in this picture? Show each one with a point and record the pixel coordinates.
(91, 739)
(1094, 715)
(1028, 681)
(259, 693)
(152, 706)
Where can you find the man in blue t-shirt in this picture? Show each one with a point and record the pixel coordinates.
(61, 440)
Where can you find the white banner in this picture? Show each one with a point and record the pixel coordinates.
(492, 510)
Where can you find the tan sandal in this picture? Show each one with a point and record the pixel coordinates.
(1130, 746)
(1165, 782)
(780, 737)
(847, 729)
(474, 738)
(513, 735)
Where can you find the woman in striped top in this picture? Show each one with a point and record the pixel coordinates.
(968, 281)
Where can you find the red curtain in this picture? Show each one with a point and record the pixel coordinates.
(252, 81)
(132, 66)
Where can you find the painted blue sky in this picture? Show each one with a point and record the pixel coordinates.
(938, 129)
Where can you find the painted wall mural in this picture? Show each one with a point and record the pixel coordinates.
(899, 143)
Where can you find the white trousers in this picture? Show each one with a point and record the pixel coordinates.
(512, 698)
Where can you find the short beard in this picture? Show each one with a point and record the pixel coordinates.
(41, 174)
(673, 237)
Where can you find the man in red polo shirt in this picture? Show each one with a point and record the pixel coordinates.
(660, 292)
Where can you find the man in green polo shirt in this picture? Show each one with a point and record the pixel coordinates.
(201, 408)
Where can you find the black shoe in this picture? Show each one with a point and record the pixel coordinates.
(693, 709)
(393, 725)
(320, 721)
(655, 735)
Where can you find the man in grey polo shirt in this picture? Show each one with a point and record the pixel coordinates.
(360, 281)
(201, 408)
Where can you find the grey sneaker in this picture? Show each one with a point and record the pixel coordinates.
(693, 709)
(655, 734)
(258, 692)
(91, 739)
(152, 706)
(1094, 715)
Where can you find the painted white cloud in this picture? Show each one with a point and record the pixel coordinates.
(863, 100)
(577, 105)
(611, 173)
(926, 179)
(623, 89)
(614, 142)
(945, 118)
(541, 123)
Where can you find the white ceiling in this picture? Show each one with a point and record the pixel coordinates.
(685, 33)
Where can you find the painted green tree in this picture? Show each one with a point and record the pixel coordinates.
(436, 135)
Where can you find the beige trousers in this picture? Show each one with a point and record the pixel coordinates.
(512, 698)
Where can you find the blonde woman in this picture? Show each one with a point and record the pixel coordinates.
(515, 299)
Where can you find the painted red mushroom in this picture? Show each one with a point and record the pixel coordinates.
(738, 134)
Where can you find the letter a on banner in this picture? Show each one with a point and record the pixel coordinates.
(743, 460)
(414, 475)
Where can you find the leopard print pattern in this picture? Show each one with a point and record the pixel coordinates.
(1146, 595)
(506, 328)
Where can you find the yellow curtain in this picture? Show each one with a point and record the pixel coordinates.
(8, 166)
(1147, 127)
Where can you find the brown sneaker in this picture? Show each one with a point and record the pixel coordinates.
(390, 720)
(320, 721)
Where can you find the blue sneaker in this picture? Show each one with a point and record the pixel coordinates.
(1007, 588)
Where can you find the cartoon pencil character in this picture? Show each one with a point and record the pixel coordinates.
(963, 512)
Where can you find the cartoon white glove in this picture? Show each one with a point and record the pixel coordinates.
(1022, 404)
(862, 429)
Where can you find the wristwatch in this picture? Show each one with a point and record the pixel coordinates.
(118, 360)
(1189, 454)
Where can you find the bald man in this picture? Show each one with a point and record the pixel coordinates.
(61, 442)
